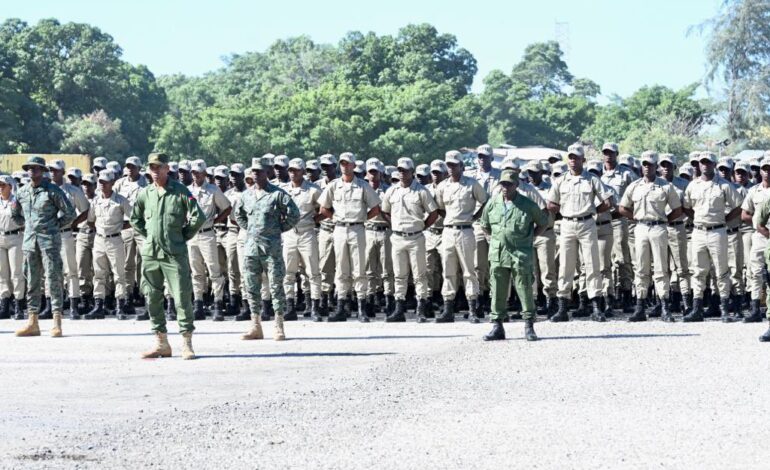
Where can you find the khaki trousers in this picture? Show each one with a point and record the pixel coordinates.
(132, 243)
(84, 246)
(350, 254)
(379, 262)
(605, 242)
(12, 280)
(710, 247)
(70, 263)
(458, 248)
(545, 263)
(735, 261)
(204, 255)
(677, 248)
(409, 252)
(109, 257)
(756, 265)
(651, 248)
(482, 258)
(301, 248)
(233, 262)
(578, 237)
(434, 274)
(621, 254)
(326, 258)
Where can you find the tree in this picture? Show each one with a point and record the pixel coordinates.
(94, 134)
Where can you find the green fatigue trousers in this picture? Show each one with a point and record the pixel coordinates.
(254, 264)
(500, 277)
(37, 262)
(176, 273)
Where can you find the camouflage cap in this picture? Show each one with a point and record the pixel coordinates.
(726, 162)
(558, 169)
(360, 167)
(88, 178)
(405, 163)
(453, 157)
(422, 170)
(114, 166)
(649, 156)
(269, 156)
(327, 159)
(34, 160)
(281, 160)
(184, 165)
(261, 163)
(153, 159)
(510, 164)
(594, 166)
(107, 176)
(56, 165)
(209, 171)
(438, 165)
(221, 171)
(134, 161)
(625, 159)
(533, 166)
(687, 170)
(173, 167)
(373, 164)
(667, 157)
(99, 162)
(347, 157)
(312, 165)
(576, 149)
(743, 166)
(75, 173)
(555, 157)
(7, 179)
(708, 156)
(390, 170)
(297, 164)
(198, 166)
(508, 176)
(237, 168)
(694, 156)
(611, 146)
(485, 149)
(756, 162)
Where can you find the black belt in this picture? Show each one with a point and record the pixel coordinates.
(458, 227)
(598, 224)
(65, 230)
(348, 224)
(676, 224)
(708, 229)
(436, 231)
(108, 236)
(12, 232)
(327, 228)
(377, 228)
(406, 234)
(733, 230)
(221, 227)
(206, 230)
(650, 223)
(577, 219)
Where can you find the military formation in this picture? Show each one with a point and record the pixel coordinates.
(335, 238)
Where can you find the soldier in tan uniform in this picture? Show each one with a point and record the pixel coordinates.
(677, 238)
(460, 201)
(202, 247)
(350, 202)
(328, 164)
(710, 201)
(107, 215)
(410, 209)
(573, 195)
(234, 244)
(652, 202)
(438, 171)
(129, 187)
(544, 243)
(12, 280)
(605, 240)
(300, 244)
(757, 196)
(281, 168)
(726, 167)
(379, 263)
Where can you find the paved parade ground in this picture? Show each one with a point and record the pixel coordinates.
(588, 395)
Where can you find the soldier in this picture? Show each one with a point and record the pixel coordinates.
(222, 181)
(743, 183)
(438, 171)
(573, 196)
(605, 242)
(84, 250)
(129, 187)
(167, 216)
(300, 244)
(350, 202)
(281, 167)
(326, 236)
(98, 164)
(422, 173)
(202, 248)
(360, 170)
(185, 173)
(754, 201)
(460, 200)
(69, 252)
(760, 221)
(74, 176)
(379, 262)
(487, 176)
(544, 241)
(43, 209)
(710, 201)
(512, 220)
(109, 213)
(653, 202)
(725, 167)
(410, 209)
(677, 237)
(235, 247)
(265, 212)
(12, 280)
(312, 171)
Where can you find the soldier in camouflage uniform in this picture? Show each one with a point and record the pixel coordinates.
(44, 210)
(265, 212)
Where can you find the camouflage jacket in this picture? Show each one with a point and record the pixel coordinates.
(38, 209)
(265, 215)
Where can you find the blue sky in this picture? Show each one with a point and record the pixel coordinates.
(621, 45)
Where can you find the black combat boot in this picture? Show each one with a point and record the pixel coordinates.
(696, 314)
(654, 305)
(128, 308)
(146, 315)
(98, 311)
(582, 310)
(5, 308)
(665, 311)
(607, 303)
(529, 330)
(198, 312)
(686, 303)
(170, 309)
(218, 311)
(315, 310)
(245, 313)
(561, 314)
(324, 306)
(497, 333)
(19, 307)
(473, 311)
(713, 310)
(86, 304)
(598, 314)
(737, 306)
(267, 308)
(399, 313)
(362, 308)
(447, 315)
(234, 305)
(765, 336)
(303, 302)
(371, 305)
(422, 307)
(339, 314)
(627, 299)
(755, 316)
(724, 311)
(552, 305)
(542, 309)
(676, 301)
(639, 314)
(46, 313)
(121, 313)
(390, 304)
(290, 313)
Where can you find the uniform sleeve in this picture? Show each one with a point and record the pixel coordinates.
(81, 201)
(535, 196)
(627, 201)
(386, 200)
(687, 198)
(221, 201)
(761, 217)
(439, 198)
(484, 220)
(17, 214)
(91, 214)
(327, 197)
(137, 215)
(239, 211)
(478, 193)
(554, 195)
(195, 216)
(125, 205)
(748, 203)
(540, 216)
(66, 208)
(315, 197)
(673, 198)
(427, 201)
(290, 215)
(600, 190)
(371, 198)
(733, 199)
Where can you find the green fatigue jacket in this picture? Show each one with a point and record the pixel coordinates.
(166, 219)
(38, 209)
(512, 230)
(265, 215)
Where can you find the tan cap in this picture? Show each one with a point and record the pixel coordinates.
(7, 179)
(327, 159)
(422, 170)
(576, 149)
(594, 165)
(373, 164)
(107, 175)
(312, 165)
(184, 165)
(297, 164)
(694, 156)
(114, 166)
(135, 161)
(534, 166)
(198, 166)
(743, 166)
(56, 165)
(88, 178)
(687, 170)
(555, 157)
(75, 172)
(221, 171)
(558, 169)
(360, 167)
(347, 157)
(612, 146)
(667, 157)
(261, 163)
(485, 149)
(510, 164)
(708, 156)
(454, 157)
(438, 165)
(649, 156)
(239, 168)
(100, 162)
(281, 160)
(405, 163)
(726, 162)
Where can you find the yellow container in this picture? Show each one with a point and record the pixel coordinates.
(13, 162)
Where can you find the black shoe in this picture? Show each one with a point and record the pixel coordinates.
(98, 311)
(245, 314)
(607, 303)
(267, 308)
(122, 312)
(529, 330)
(422, 306)
(390, 304)
(339, 314)
(448, 313)
(765, 336)
(170, 309)
(686, 303)
(371, 305)
(315, 310)
(473, 311)
(302, 303)
(724, 310)
(217, 311)
(324, 307)
(5, 308)
(713, 310)
(627, 300)
(399, 313)
(696, 314)
(363, 317)
(665, 309)
(290, 313)
(598, 314)
(561, 314)
(46, 313)
(19, 307)
(737, 305)
(497, 333)
(639, 314)
(552, 305)
(146, 315)
(198, 312)
(755, 316)
(582, 310)
(676, 301)
(234, 306)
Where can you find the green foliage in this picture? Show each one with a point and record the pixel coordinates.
(94, 134)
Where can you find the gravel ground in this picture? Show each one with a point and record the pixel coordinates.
(588, 395)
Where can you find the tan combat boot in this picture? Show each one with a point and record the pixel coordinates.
(187, 349)
(32, 328)
(279, 334)
(162, 348)
(56, 330)
(256, 329)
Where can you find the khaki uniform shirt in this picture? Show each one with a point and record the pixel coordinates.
(379, 220)
(651, 202)
(755, 198)
(742, 192)
(680, 184)
(7, 224)
(234, 196)
(460, 199)
(129, 189)
(350, 201)
(711, 200)
(108, 214)
(619, 180)
(576, 194)
(306, 198)
(408, 207)
(76, 196)
(439, 223)
(211, 200)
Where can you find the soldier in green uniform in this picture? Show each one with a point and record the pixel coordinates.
(44, 210)
(265, 212)
(511, 219)
(167, 216)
